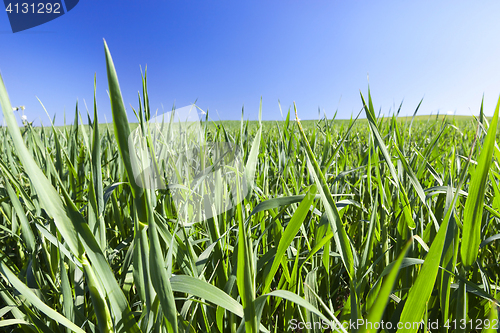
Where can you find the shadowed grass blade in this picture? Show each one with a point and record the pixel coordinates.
(33, 299)
(245, 276)
(159, 276)
(378, 308)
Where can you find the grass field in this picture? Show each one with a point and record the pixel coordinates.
(374, 222)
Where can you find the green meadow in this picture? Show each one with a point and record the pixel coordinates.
(367, 224)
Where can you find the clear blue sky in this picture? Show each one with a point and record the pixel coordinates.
(227, 54)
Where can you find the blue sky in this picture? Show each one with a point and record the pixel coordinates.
(227, 54)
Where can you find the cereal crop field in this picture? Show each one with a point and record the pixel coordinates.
(361, 225)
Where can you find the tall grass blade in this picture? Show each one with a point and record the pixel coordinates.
(377, 309)
(47, 195)
(473, 211)
(340, 235)
(122, 132)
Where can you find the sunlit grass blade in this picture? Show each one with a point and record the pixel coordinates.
(372, 121)
(289, 234)
(421, 290)
(193, 286)
(296, 299)
(48, 196)
(473, 211)
(340, 235)
(122, 132)
(251, 164)
(67, 292)
(96, 187)
(98, 299)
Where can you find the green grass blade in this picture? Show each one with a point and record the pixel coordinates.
(378, 308)
(160, 278)
(10, 322)
(340, 235)
(98, 299)
(96, 190)
(196, 287)
(123, 318)
(491, 326)
(67, 293)
(473, 211)
(368, 251)
(372, 121)
(122, 132)
(289, 234)
(294, 298)
(423, 286)
(33, 299)
(245, 276)
(48, 196)
(253, 158)
(26, 232)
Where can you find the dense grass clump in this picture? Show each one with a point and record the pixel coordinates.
(369, 222)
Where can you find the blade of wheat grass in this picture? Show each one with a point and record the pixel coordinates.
(122, 132)
(48, 196)
(33, 299)
(289, 234)
(473, 211)
(378, 308)
(340, 235)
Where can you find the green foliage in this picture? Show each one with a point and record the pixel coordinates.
(378, 219)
